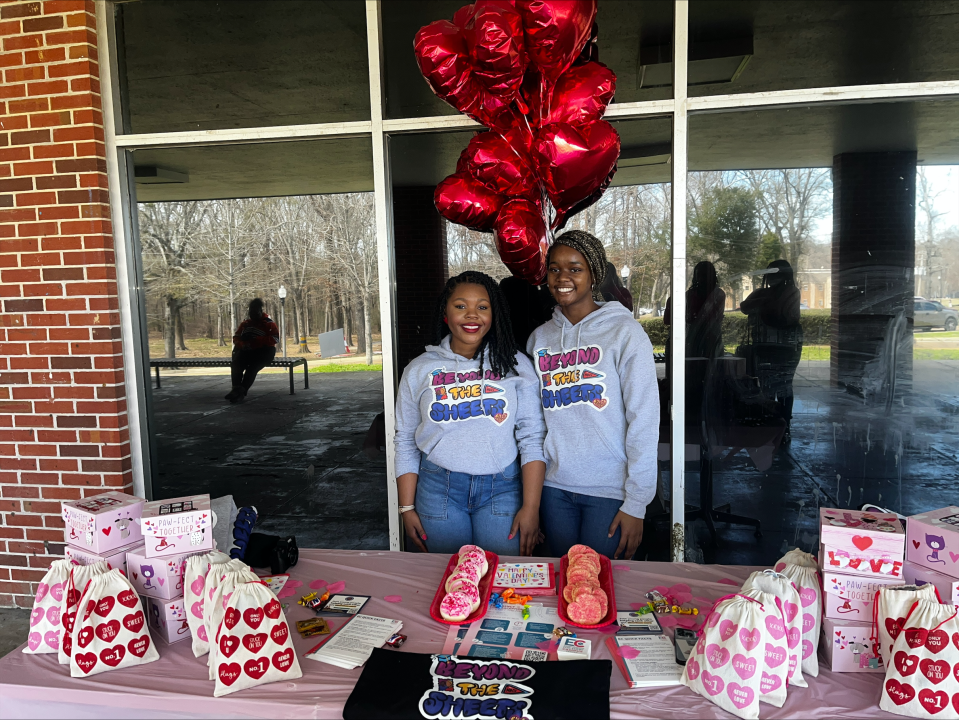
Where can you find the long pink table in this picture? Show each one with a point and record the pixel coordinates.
(175, 686)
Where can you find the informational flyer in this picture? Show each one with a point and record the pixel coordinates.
(504, 634)
(652, 664)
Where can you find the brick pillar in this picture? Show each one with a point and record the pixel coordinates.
(873, 260)
(63, 415)
(421, 268)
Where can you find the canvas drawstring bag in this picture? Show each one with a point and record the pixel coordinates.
(194, 583)
(80, 575)
(889, 611)
(45, 625)
(801, 568)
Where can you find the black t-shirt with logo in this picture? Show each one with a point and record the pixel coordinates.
(398, 685)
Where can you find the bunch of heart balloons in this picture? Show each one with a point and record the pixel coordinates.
(526, 69)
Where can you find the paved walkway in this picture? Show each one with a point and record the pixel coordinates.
(297, 458)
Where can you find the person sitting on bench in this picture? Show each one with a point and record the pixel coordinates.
(254, 346)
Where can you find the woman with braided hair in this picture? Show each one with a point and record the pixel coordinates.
(601, 405)
(465, 409)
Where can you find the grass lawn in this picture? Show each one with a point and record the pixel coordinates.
(335, 367)
(821, 352)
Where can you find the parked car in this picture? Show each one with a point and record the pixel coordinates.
(929, 314)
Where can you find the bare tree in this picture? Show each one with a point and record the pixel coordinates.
(167, 232)
(928, 253)
(346, 225)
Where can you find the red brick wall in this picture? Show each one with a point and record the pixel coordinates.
(63, 422)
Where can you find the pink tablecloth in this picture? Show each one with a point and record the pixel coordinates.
(35, 686)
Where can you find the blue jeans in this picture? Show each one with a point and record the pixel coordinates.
(568, 519)
(457, 509)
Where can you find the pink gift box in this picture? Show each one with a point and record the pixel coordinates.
(114, 558)
(167, 618)
(158, 577)
(845, 647)
(933, 540)
(178, 526)
(103, 522)
(861, 543)
(918, 575)
(849, 598)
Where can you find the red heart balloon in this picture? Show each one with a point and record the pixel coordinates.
(494, 37)
(562, 217)
(556, 33)
(442, 57)
(520, 234)
(444, 61)
(581, 95)
(501, 162)
(574, 162)
(466, 201)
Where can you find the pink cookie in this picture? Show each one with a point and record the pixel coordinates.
(471, 592)
(584, 561)
(475, 556)
(571, 592)
(586, 610)
(579, 574)
(457, 584)
(455, 607)
(469, 572)
(470, 548)
(578, 550)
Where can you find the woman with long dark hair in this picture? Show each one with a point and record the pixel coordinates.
(469, 430)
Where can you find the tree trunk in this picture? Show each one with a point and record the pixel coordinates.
(169, 327)
(178, 316)
(367, 329)
(298, 323)
(361, 328)
(220, 340)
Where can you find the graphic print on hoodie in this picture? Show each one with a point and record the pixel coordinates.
(600, 400)
(464, 421)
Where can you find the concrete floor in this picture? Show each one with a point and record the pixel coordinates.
(297, 458)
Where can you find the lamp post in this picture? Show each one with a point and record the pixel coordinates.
(282, 293)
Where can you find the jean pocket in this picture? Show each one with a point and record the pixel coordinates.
(507, 495)
(432, 492)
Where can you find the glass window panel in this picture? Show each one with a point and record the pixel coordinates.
(740, 47)
(255, 221)
(813, 377)
(632, 219)
(189, 65)
(625, 27)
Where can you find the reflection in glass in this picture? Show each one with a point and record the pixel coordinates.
(838, 385)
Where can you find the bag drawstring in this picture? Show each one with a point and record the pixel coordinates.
(711, 610)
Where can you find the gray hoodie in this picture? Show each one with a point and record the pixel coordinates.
(601, 403)
(465, 423)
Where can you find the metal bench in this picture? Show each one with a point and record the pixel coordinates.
(177, 363)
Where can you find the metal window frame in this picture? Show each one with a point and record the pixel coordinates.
(379, 129)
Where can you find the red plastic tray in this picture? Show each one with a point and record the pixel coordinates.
(485, 589)
(605, 583)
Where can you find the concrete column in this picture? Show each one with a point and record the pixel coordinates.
(873, 260)
(421, 268)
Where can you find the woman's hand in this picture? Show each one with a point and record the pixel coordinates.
(526, 523)
(414, 529)
(631, 534)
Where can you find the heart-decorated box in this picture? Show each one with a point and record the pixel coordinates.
(933, 540)
(918, 575)
(178, 526)
(845, 647)
(861, 543)
(102, 523)
(114, 558)
(850, 597)
(158, 577)
(167, 618)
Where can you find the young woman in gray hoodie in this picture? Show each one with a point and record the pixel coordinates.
(465, 409)
(601, 405)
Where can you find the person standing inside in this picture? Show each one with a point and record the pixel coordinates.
(254, 347)
(601, 406)
(469, 430)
